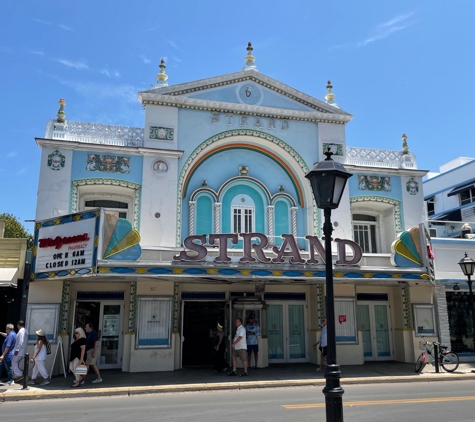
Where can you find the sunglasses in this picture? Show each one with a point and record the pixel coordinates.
(76, 332)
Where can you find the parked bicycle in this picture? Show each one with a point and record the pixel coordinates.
(447, 359)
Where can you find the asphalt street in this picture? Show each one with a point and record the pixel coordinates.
(431, 401)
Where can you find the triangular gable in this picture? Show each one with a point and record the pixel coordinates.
(250, 88)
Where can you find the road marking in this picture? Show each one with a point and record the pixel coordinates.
(380, 402)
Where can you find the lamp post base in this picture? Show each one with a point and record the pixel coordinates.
(333, 393)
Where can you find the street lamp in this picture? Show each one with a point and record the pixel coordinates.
(328, 179)
(468, 267)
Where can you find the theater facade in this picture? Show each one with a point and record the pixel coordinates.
(155, 234)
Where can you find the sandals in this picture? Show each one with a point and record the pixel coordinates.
(232, 374)
(243, 374)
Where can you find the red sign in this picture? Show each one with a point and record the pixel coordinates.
(341, 318)
(59, 241)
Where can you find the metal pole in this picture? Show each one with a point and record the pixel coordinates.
(436, 357)
(332, 391)
(26, 364)
(471, 308)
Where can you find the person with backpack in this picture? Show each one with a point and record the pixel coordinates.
(42, 347)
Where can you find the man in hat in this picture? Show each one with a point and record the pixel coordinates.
(6, 357)
(20, 349)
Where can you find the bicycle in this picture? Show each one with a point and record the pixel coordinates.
(447, 359)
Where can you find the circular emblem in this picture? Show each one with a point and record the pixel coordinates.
(160, 167)
(250, 93)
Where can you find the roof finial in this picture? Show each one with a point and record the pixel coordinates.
(61, 114)
(330, 97)
(249, 59)
(405, 147)
(162, 76)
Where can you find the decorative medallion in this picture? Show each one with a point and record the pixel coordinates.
(160, 167)
(108, 163)
(161, 133)
(56, 160)
(337, 149)
(374, 183)
(249, 93)
(412, 186)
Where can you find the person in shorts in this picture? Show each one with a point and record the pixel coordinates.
(252, 332)
(323, 344)
(239, 346)
(92, 343)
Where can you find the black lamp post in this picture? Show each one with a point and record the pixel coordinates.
(468, 267)
(328, 179)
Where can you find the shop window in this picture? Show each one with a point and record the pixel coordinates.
(154, 322)
(243, 219)
(345, 320)
(115, 207)
(364, 232)
(468, 196)
(430, 203)
(424, 319)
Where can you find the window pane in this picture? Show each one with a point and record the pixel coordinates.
(153, 322)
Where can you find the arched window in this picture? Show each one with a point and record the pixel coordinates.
(243, 213)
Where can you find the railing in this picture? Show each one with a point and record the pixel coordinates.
(377, 158)
(97, 133)
(452, 229)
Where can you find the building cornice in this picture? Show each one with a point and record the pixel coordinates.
(224, 107)
(248, 75)
(385, 170)
(56, 143)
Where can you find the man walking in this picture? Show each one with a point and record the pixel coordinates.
(252, 331)
(20, 350)
(6, 357)
(239, 347)
(92, 343)
(323, 344)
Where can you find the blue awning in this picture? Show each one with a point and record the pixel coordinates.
(462, 188)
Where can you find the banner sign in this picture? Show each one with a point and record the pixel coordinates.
(67, 245)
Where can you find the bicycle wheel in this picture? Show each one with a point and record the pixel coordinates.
(21, 365)
(420, 363)
(450, 362)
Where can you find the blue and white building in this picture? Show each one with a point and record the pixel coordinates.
(217, 159)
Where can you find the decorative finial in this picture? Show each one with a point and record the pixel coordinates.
(162, 76)
(405, 147)
(61, 114)
(281, 188)
(329, 154)
(330, 97)
(249, 59)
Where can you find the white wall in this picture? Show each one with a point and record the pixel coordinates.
(160, 116)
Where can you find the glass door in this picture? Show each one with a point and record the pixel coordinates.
(110, 336)
(373, 322)
(286, 332)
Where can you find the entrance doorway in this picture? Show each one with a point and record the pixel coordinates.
(373, 322)
(286, 332)
(106, 317)
(199, 331)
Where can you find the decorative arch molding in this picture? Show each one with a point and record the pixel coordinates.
(381, 199)
(136, 194)
(280, 196)
(201, 191)
(248, 181)
(193, 162)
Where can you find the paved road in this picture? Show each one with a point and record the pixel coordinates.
(431, 402)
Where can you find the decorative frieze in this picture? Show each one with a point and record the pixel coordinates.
(412, 187)
(337, 149)
(161, 133)
(374, 183)
(56, 160)
(108, 163)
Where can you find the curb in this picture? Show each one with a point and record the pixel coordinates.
(181, 388)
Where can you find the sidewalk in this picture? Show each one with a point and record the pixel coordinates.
(204, 379)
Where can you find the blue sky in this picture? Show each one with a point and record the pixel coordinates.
(398, 67)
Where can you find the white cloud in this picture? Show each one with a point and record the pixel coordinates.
(151, 29)
(66, 28)
(145, 60)
(105, 72)
(22, 171)
(384, 30)
(127, 93)
(12, 154)
(80, 65)
(176, 59)
(38, 53)
(173, 44)
(41, 21)
(117, 74)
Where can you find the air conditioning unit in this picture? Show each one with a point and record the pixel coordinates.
(433, 232)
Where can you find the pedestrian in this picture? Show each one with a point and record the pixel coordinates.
(20, 350)
(92, 343)
(6, 357)
(239, 347)
(39, 358)
(252, 332)
(78, 351)
(220, 363)
(323, 344)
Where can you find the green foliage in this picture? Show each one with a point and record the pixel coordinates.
(15, 230)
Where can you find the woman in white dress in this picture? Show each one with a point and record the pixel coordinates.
(39, 359)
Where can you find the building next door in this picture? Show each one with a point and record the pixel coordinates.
(286, 328)
(107, 319)
(373, 322)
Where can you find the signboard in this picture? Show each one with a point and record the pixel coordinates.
(67, 245)
(42, 317)
(110, 326)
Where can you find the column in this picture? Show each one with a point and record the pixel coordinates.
(270, 224)
(217, 217)
(132, 307)
(293, 214)
(64, 309)
(191, 228)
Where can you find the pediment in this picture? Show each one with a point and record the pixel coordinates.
(246, 88)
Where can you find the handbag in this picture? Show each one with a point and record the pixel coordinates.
(81, 369)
